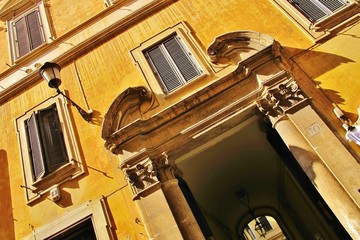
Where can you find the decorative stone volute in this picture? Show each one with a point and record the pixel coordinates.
(236, 46)
(124, 109)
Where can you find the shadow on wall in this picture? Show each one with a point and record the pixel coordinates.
(7, 219)
(316, 64)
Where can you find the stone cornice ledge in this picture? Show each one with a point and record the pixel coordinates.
(117, 139)
(69, 46)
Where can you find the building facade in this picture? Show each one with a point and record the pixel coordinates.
(180, 119)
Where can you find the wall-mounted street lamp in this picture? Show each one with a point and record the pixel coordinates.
(51, 73)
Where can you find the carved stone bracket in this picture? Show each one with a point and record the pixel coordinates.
(280, 99)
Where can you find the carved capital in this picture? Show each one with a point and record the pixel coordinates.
(141, 176)
(280, 98)
(165, 169)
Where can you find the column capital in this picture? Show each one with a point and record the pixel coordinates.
(164, 168)
(279, 99)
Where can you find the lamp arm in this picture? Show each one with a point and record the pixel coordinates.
(86, 115)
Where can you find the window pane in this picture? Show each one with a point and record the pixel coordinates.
(35, 147)
(181, 58)
(163, 69)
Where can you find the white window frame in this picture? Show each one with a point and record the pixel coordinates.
(95, 209)
(44, 27)
(322, 27)
(34, 189)
(189, 45)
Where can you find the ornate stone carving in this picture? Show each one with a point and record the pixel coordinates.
(124, 109)
(165, 169)
(141, 176)
(279, 99)
(149, 172)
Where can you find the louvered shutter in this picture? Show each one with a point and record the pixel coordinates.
(309, 9)
(37, 160)
(21, 37)
(52, 138)
(181, 58)
(163, 69)
(34, 27)
(332, 5)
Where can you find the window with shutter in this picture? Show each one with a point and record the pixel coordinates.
(28, 31)
(172, 63)
(314, 10)
(319, 18)
(49, 152)
(46, 142)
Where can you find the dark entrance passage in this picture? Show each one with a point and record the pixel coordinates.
(252, 158)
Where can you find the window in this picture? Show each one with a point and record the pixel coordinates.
(45, 142)
(172, 63)
(319, 18)
(49, 153)
(170, 60)
(28, 30)
(314, 10)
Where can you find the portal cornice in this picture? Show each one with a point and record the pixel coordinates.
(241, 87)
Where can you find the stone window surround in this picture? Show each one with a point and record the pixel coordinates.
(187, 39)
(35, 189)
(44, 25)
(324, 27)
(94, 209)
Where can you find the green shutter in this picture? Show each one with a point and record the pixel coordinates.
(37, 160)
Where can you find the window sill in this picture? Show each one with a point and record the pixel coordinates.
(42, 186)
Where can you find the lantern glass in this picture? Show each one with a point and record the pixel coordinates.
(50, 72)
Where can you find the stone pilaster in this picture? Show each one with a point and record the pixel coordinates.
(315, 148)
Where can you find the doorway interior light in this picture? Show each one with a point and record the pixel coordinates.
(243, 196)
(50, 72)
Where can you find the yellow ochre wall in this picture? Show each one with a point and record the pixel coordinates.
(105, 71)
